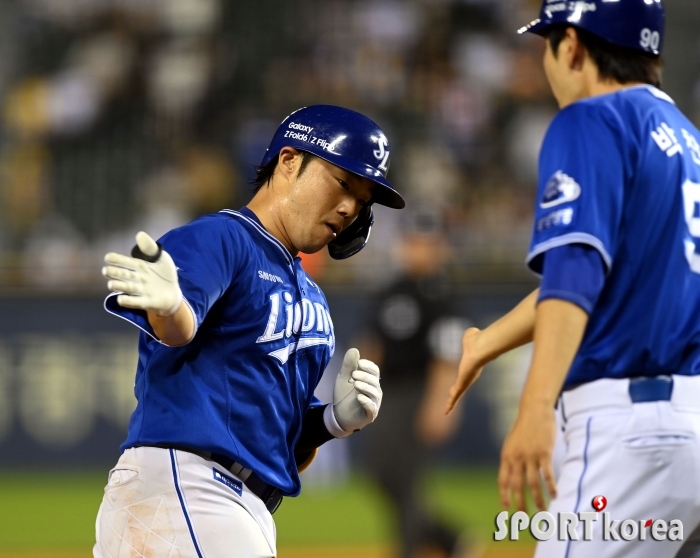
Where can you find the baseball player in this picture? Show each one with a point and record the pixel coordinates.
(616, 320)
(235, 337)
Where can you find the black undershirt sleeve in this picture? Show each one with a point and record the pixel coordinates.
(313, 431)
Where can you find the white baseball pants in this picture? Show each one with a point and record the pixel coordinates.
(643, 457)
(162, 503)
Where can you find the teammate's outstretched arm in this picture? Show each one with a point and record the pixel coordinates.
(527, 451)
(148, 281)
(479, 347)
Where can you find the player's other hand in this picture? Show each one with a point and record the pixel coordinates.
(357, 395)
(147, 281)
(526, 458)
(470, 367)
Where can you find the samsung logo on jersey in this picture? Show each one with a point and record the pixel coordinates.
(269, 277)
(561, 188)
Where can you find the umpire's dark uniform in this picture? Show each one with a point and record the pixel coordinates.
(406, 317)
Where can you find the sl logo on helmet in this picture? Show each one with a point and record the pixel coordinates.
(382, 154)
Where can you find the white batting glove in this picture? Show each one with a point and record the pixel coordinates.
(357, 396)
(145, 285)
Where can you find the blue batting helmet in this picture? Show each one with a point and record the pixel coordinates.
(343, 137)
(635, 24)
(351, 141)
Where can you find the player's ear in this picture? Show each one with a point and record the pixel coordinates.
(577, 52)
(288, 162)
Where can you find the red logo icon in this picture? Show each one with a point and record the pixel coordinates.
(599, 503)
(649, 522)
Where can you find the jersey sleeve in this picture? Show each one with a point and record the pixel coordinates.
(581, 184)
(575, 273)
(206, 254)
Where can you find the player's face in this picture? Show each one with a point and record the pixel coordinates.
(553, 72)
(563, 69)
(322, 201)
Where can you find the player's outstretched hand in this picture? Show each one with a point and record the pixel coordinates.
(147, 281)
(357, 395)
(470, 367)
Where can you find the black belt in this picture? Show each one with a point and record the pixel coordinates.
(270, 495)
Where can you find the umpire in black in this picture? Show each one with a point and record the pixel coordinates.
(415, 338)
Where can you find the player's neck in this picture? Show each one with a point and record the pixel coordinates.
(594, 88)
(264, 206)
(594, 85)
(604, 87)
(582, 82)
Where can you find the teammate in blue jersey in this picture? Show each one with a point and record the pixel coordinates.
(235, 337)
(616, 320)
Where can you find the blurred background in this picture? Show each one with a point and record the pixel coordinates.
(125, 115)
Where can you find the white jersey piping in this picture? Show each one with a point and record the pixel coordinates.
(263, 232)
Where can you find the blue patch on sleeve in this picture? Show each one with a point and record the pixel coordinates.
(233, 484)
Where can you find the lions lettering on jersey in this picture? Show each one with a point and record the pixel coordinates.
(309, 317)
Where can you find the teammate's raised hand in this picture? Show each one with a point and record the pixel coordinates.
(148, 280)
(470, 367)
(357, 395)
(479, 347)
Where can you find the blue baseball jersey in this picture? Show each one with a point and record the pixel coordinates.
(264, 336)
(621, 173)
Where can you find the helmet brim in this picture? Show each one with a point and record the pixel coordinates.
(384, 193)
(536, 26)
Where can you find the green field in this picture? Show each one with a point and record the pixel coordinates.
(44, 513)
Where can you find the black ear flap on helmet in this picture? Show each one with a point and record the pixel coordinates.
(354, 238)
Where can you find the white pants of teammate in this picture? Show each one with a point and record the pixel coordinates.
(162, 503)
(643, 457)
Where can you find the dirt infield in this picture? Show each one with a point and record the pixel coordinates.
(494, 551)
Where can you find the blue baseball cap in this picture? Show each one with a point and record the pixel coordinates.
(635, 24)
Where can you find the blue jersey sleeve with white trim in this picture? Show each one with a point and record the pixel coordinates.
(207, 257)
(205, 253)
(137, 317)
(573, 272)
(581, 188)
